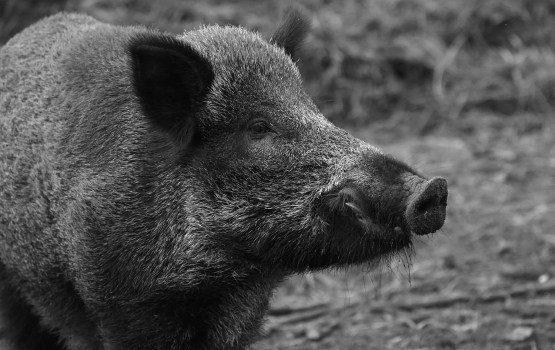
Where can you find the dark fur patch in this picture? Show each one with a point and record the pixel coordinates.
(171, 80)
(21, 326)
(292, 31)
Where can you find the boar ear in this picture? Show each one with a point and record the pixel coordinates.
(171, 81)
(292, 31)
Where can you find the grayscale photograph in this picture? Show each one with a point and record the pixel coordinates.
(260, 175)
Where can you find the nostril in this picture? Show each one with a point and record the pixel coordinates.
(433, 195)
(425, 205)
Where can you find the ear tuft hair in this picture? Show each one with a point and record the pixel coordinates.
(292, 31)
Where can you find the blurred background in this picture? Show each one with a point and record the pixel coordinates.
(460, 89)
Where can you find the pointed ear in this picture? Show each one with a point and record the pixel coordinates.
(292, 31)
(171, 81)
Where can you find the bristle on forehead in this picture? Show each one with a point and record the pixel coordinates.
(292, 31)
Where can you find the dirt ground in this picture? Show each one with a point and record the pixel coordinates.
(463, 90)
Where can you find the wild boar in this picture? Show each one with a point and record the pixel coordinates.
(156, 188)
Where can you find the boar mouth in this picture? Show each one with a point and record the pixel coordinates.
(368, 222)
(353, 218)
(383, 220)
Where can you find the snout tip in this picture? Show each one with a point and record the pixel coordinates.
(427, 207)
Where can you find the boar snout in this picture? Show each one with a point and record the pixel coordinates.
(426, 207)
(391, 208)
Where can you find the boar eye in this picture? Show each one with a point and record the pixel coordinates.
(260, 128)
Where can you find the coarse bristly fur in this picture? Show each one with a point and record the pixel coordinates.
(155, 189)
